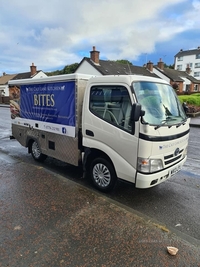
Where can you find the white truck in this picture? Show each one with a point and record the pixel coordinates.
(128, 127)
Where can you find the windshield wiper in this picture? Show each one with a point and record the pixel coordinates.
(163, 122)
(167, 112)
(181, 123)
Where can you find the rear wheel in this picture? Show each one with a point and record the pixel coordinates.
(36, 152)
(103, 174)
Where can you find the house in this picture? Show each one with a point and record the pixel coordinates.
(182, 81)
(95, 66)
(189, 58)
(33, 73)
(4, 83)
(4, 94)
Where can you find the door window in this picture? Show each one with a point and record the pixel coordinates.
(112, 104)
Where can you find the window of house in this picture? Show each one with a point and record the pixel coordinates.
(179, 67)
(180, 58)
(112, 104)
(197, 65)
(195, 87)
(197, 74)
(198, 56)
(187, 88)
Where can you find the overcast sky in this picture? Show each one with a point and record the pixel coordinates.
(56, 33)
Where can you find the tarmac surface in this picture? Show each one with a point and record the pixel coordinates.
(195, 121)
(47, 220)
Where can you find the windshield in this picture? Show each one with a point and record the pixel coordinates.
(160, 103)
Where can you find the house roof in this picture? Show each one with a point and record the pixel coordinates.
(177, 75)
(5, 78)
(108, 67)
(24, 75)
(182, 53)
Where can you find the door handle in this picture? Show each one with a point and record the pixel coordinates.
(90, 133)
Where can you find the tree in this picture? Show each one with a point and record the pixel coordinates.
(124, 61)
(66, 70)
(70, 68)
(169, 66)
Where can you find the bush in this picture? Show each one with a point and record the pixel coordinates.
(193, 99)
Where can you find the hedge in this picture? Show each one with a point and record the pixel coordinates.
(193, 99)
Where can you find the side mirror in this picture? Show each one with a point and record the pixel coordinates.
(185, 107)
(136, 112)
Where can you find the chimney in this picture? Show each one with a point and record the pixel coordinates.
(94, 55)
(188, 69)
(33, 69)
(161, 64)
(150, 66)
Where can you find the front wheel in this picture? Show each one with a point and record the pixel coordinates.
(36, 152)
(103, 174)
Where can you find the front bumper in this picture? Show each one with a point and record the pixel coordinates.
(149, 180)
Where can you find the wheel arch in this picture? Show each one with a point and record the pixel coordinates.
(36, 151)
(29, 142)
(92, 153)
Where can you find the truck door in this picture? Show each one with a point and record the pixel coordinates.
(109, 121)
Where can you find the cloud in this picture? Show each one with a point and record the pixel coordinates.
(62, 32)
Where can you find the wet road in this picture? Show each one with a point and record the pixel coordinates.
(174, 203)
(50, 221)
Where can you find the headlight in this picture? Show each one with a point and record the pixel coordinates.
(149, 165)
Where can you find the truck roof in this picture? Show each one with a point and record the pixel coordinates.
(75, 76)
(64, 77)
(125, 79)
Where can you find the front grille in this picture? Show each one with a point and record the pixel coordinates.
(168, 159)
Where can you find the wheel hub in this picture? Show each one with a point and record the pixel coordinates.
(101, 175)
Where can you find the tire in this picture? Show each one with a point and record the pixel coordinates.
(103, 174)
(36, 152)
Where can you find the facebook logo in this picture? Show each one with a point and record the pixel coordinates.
(64, 131)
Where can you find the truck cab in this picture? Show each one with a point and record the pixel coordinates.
(138, 126)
